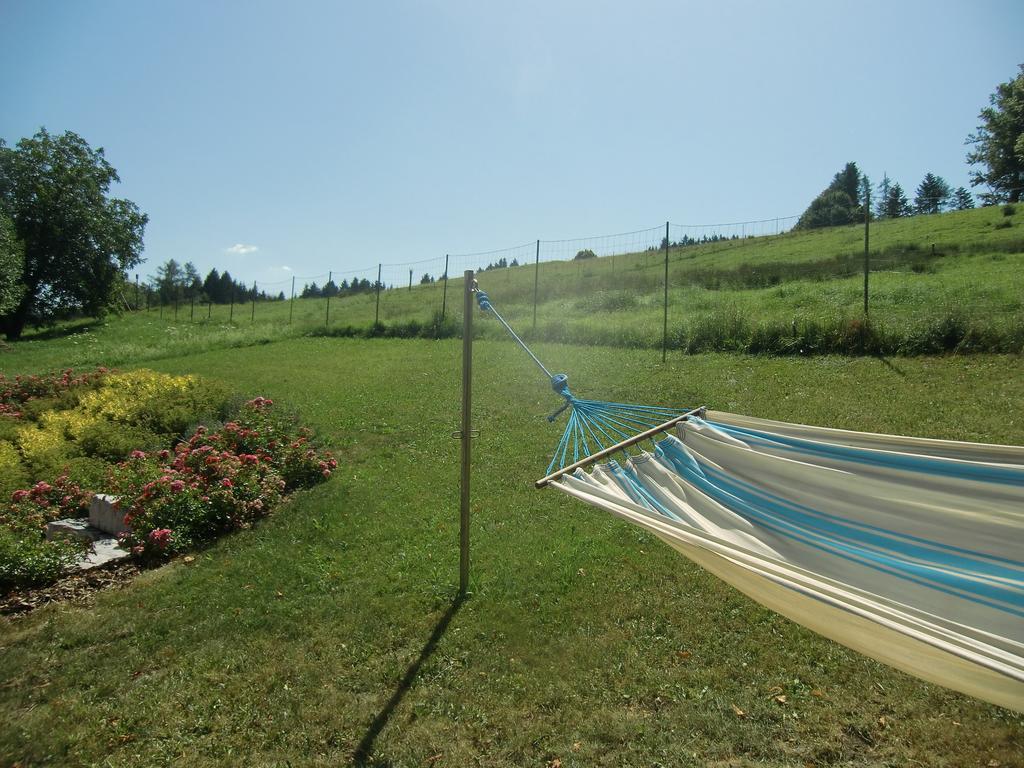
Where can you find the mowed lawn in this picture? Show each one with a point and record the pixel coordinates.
(326, 636)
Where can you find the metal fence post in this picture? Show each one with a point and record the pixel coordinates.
(327, 317)
(252, 319)
(867, 217)
(536, 284)
(291, 305)
(444, 292)
(376, 311)
(664, 333)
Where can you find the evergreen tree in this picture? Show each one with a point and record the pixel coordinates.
(170, 280)
(883, 194)
(311, 291)
(962, 200)
(848, 180)
(932, 194)
(864, 197)
(329, 289)
(193, 283)
(227, 288)
(211, 287)
(896, 204)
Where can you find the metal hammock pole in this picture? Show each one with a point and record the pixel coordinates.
(465, 433)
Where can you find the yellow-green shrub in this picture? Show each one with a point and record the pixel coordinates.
(13, 473)
(159, 402)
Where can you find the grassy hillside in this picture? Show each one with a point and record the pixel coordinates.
(325, 636)
(951, 281)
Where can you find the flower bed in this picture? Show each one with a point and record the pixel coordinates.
(216, 481)
(128, 434)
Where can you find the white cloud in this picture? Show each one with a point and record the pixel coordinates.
(240, 249)
(286, 268)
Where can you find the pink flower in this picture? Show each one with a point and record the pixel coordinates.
(326, 473)
(160, 536)
(226, 483)
(177, 485)
(138, 549)
(163, 455)
(19, 495)
(137, 454)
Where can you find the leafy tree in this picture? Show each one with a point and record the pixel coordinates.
(831, 208)
(999, 144)
(77, 240)
(896, 204)
(426, 279)
(883, 194)
(932, 194)
(837, 204)
(12, 260)
(585, 254)
(962, 200)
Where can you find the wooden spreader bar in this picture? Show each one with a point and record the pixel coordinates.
(619, 446)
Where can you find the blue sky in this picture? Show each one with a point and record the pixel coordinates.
(336, 135)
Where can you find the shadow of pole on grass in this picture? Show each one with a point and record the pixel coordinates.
(364, 751)
(891, 366)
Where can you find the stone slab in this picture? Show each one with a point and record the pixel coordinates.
(77, 527)
(104, 551)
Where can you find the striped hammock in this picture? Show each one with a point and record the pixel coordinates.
(909, 551)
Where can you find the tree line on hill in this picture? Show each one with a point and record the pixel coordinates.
(330, 289)
(845, 199)
(176, 282)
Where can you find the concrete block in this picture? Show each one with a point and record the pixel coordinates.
(105, 513)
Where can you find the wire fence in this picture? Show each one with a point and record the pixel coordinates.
(695, 287)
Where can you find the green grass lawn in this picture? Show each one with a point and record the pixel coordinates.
(324, 635)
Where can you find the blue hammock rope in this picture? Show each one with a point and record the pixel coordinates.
(593, 425)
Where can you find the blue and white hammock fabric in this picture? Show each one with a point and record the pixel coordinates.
(907, 550)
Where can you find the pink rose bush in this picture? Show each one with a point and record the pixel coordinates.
(26, 558)
(216, 481)
(15, 392)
